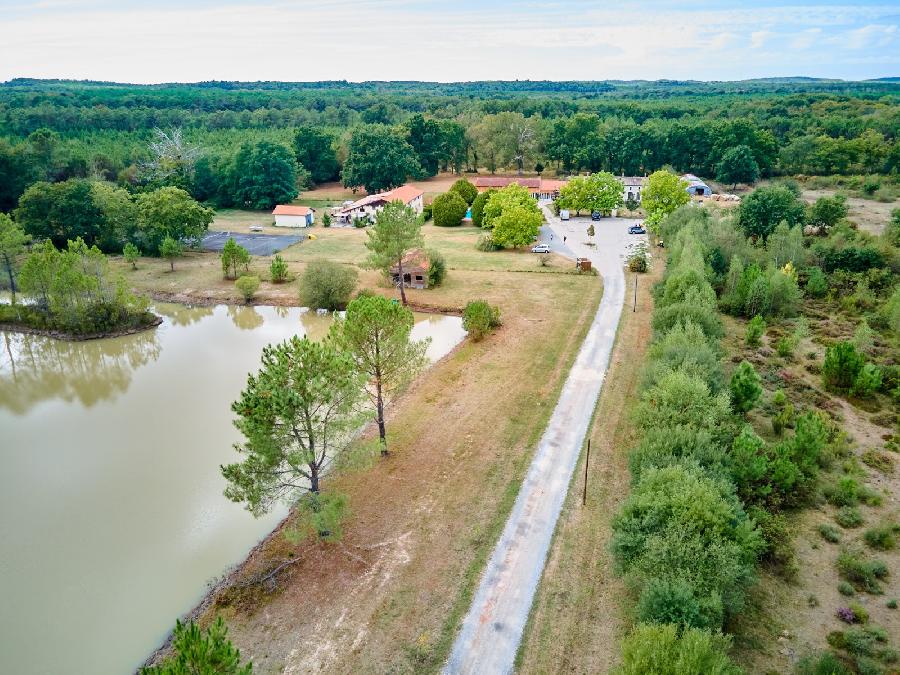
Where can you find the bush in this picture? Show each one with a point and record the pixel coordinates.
(756, 328)
(864, 640)
(848, 517)
(685, 347)
(427, 213)
(843, 493)
(865, 575)
(842, 364)
(465, 189)
(437, 267)
(867, 382)
(448, 209)
(816, 282)
(480, 318)
(825, 663)
(664, 650)
(667, 446)
(637, 261)
(478, 207)
(829, 533)
(881, 537)
(846, 589)
(681, 398)
(486, 243)
(665, 318)
(745, 387)
(131, 254)
(278, 270)
(679, 525)
(247, 285)
(878, 461)
(891, 604)
(673, 602)
(234, 256)
(327, 285)
(201, 652)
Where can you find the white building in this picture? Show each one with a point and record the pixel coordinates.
(632, 186)
(368, 207)
(293, 216)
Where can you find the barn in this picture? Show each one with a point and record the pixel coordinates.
(696, 187)
(293, 216)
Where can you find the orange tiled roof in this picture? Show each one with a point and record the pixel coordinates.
(288, 210)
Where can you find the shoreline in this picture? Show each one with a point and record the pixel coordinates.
(73, 337)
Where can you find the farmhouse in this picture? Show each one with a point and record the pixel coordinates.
(368, 207)
(696, 187)
(632, 186)
(415, 270)
(293, 216)
(538, 188)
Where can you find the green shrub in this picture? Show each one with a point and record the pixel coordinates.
(864, 640)
(437, 267)
(825, 663)
(860, 615)
(478, 207)
(679, 525)
(842, 364)
(465, 189)
(848, 517)
(756, 328)
(665, 318)
(201, 652)
(845, 588)
(247, 285)
(449, 209)
(233, 257)
(664, 650)
(745, 387)
(843, 493)
(680, 398)
(816, 282)
(480, 319)
(666, 446)
(785, 346)
(327, 285)
(882, 537)
(891, 604)
(685, 347)
(278, 270)
(486, 243)
(878, 461)
(865, 575)
(131, 254)
(829, 533)
(638, 262)
(867, 381)
(673, 602)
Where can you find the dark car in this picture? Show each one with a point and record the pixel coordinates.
(636, 229)
(595, 215)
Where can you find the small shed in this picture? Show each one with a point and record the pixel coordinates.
(415, 266)
(293, 216)
(583, 264)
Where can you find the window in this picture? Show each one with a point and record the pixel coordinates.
(418, 277)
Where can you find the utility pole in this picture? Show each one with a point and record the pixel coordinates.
(587, 459)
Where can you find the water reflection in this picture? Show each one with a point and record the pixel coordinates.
(246, 317)
(183, 315)
(34, 368)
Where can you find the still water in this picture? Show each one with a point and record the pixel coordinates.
(112, 519)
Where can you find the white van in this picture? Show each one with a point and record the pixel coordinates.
(564, 214)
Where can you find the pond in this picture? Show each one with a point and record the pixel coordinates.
(112, 519)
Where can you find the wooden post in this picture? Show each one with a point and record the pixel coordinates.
(586, 460)
(634, 306)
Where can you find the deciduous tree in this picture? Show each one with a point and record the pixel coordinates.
(170, 212)
(12, 246)
(664, 193)
(762, 210)
(379, 158)
(170, 249)
(265, 174)
(598, 192)
(314, 150)
(738, 165)
(234, 256)
(448, 209)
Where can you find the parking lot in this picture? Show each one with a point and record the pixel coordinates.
(257, 244)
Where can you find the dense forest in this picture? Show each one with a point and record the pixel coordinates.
(206, 137)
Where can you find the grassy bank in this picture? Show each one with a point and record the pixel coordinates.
(389, 596)
(576, 621)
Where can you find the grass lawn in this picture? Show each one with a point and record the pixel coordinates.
(579, 615)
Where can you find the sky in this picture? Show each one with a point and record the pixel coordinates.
(303, 40)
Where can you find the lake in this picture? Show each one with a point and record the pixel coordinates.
(112, 519)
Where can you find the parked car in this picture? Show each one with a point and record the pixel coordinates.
(564, 214)
(595, 215)
(637, 229)
(541, 248)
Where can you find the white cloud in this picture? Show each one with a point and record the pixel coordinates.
(805, 39)
(870, 36)
(758, 38)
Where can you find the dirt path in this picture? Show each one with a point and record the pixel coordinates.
(492, 629)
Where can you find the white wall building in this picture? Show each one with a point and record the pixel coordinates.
(293, 216)
(368, 207)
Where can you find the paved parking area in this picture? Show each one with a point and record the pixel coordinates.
(257, 244)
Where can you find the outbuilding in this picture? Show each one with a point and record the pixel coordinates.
(415, 266)
(696, 187)
(293, 216)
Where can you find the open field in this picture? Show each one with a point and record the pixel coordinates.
(471, 273)
(336, 192)
(578, 616)
(388, 598)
